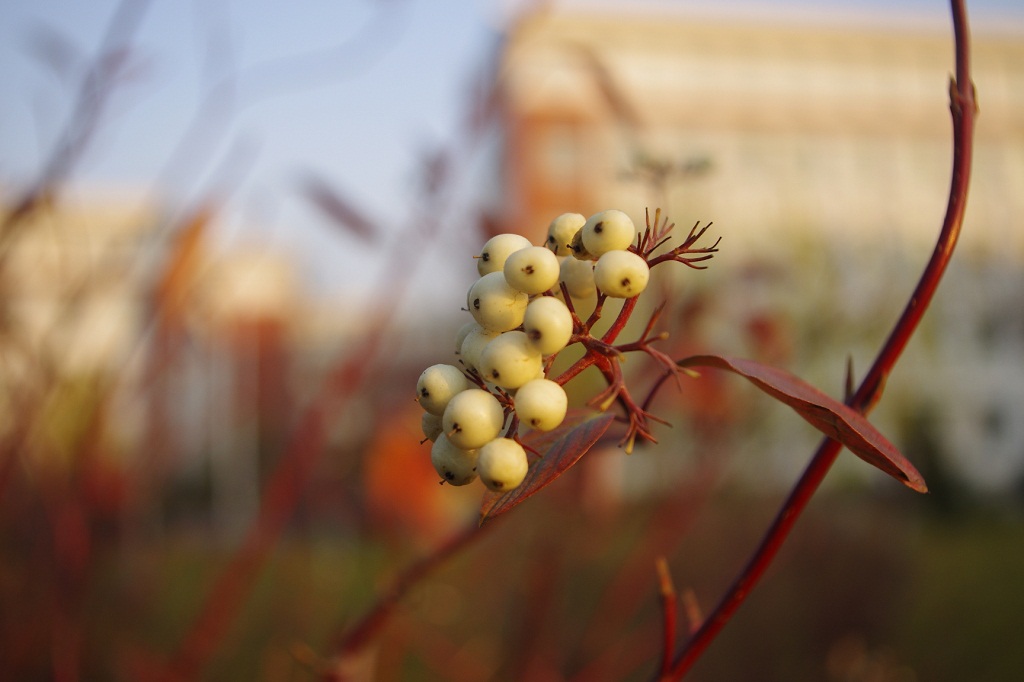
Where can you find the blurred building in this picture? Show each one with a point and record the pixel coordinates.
(64, 274)
(822, 153)
(132, 347)
(69, 332)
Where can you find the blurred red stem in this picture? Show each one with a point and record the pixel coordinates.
(669, 611)
(963, 110)
(367, 628)
(86, 111)
(233, 584)
(288, 480)
(692, 610)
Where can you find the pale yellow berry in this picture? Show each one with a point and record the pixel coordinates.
(473, 344)
(502, 464)
(436, 386)
(464, 331)
(561, 231)
(472, 418)
(431, 425)
(532, 270)
(621, 274)
(453, 464)
(497, 249)
(547, 324)
(510, 360)
(610, 230)
(541, 404)
(578, 276)
(494, 304)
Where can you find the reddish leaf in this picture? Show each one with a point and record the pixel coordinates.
(833, 418)
(560, 450)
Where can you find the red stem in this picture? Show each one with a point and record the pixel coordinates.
(669, 610)
(577, 367)
(963, 109)
(620, 321)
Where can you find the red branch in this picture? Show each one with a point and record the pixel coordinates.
(963, 109)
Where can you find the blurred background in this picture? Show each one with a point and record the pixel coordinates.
(233, 234)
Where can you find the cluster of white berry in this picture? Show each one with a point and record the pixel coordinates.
(520, 319)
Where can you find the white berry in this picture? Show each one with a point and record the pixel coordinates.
(473, 344)
(497, 249)
(578, 276)
(621, 274)
(472, 418)
(510, 360)
(436, 386)
(463, 332)
(453, 464)
(561, 231)
(431, 425)
(532, 270)
(494, 304)
(541, 404)
(502, 464)
(610, 230)
(547, 324)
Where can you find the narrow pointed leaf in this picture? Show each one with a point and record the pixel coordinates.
(184, 261)
(833, 418)
(620, 105)
(339, 208)
(55, 49)
(560, 450)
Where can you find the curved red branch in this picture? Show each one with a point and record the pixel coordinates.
(963, 109)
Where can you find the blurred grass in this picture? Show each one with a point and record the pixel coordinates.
(965, 608)
(144, 601)
(866, 589)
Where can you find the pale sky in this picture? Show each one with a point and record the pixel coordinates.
(353, 91)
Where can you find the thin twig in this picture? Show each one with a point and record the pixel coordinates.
(669, 612)
(691, 607)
